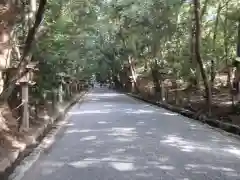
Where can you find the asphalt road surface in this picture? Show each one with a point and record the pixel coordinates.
(111, 136)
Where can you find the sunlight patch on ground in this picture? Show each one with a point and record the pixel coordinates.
(104, 94)
(128, 132)
(123, 129)
(166, 167)
(148, 133)
(122, 166)
(140, 111)
(169, 114)
(163, 159)
(233, 150)
(69, 124)
(102, 122)
(83, 164)
(108, 105)
(85, 130)
(140, 123)
(99, 143)
(88, 138)
(204, 166)
(89, 151)
(183, 145)
(119, 151)
(70, 131)
(233, 174)
(95, 99)
(90, 112)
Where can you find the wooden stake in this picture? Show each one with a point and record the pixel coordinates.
(25, 113)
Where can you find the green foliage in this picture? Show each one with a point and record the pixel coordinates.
(84, 37)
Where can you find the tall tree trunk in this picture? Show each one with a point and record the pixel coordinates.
(8, 16)
(145, 64)
(131, 66)
(208, 95)
(21, 69)
(32, 6)
(192, 42)
(158, 81)
(204, 9)
(237, 63)
(157, 85)
(193, 57)
(226, 49)
(133, 74)
(213, 72)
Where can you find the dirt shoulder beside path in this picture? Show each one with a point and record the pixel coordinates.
(12, 158)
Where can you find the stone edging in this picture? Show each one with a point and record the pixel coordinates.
(228, 127)
(25, 159)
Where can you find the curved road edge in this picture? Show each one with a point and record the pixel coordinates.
(47, 141)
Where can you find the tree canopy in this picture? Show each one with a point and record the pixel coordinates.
(190, 41)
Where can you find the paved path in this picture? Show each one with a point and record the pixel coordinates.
(114, 137)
